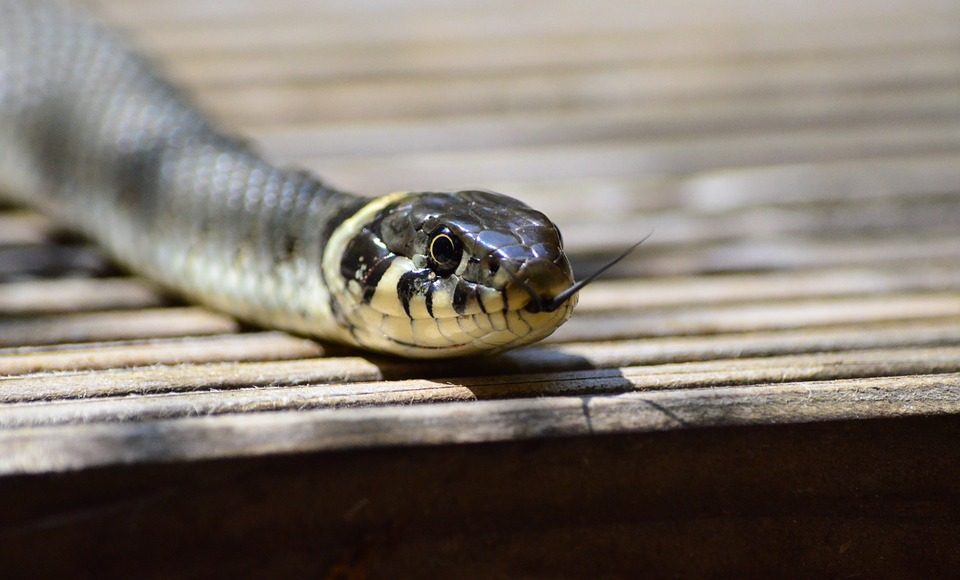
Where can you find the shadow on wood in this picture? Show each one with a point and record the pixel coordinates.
(871, 498)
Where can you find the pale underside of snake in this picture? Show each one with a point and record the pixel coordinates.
(91, 135)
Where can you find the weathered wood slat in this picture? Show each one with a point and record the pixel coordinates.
(628, 158)
(809, 314)
(110, 355)
(91, 327)
(690, 228)
(904, 178)
(68, 448)
(344, 383)
(636, 294)
(68, 295)
(643, 122)
(399, 98)
(459, 57)
(794, 253)
(310, 27)
(555, 358)
(20, 228)
(681, 349)
(656, 14)
(910, 177)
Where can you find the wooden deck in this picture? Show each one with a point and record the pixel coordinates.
(771, 381)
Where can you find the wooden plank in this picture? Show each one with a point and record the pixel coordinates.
(276, 32)
(99, 326)
(863, 180)
(553, 358)
(155, 351)
(182, 378)
(317, 60)
(632, 159)
(380, 99)
(642, 122)
(787, 253)
(74, 447)
(690, 228)
(23, 228)
(432, 15)
(751, 344)
(258, 387)
(809, 314)
(638, 294)
(718, 190)
(66, 295)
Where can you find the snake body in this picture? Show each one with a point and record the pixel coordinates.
(91, 135)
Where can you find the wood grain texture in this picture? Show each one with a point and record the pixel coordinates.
(771, 383)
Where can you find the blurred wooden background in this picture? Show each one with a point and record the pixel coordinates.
(772, 380)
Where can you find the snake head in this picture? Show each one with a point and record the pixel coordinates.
(449, 274)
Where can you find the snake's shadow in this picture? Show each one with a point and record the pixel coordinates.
(534, 371)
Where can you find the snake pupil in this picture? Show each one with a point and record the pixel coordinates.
(446, 251)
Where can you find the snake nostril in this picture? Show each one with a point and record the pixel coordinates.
(494, 266)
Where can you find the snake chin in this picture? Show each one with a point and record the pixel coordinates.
(483, 333)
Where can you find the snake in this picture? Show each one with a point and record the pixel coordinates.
(92, 134)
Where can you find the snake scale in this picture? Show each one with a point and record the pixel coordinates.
(91, 135)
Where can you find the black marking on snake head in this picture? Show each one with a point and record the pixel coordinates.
(372, 279)
(429, 297)
(411, 283)
(461, 295)
(365, 261)
(336, 210)
(483, 308)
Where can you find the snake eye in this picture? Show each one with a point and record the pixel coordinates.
(445, 251)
